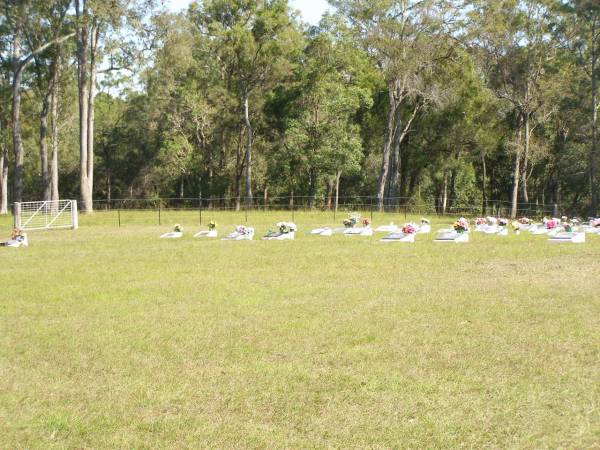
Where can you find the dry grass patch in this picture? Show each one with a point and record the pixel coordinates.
(110, 337)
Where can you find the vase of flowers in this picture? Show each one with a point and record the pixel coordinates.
(352, 220)
(284, 231)
(550, 224)
(409, 228)
(241, 233)
(461, 225)
(516, 225)
(210, 233)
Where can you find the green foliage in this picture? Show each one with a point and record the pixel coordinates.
(318, 99)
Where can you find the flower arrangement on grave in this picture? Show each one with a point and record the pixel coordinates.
(352, 220)
(241, 229)
(366, 222)
(595, 222)
(516, 225)
(524, 221)
(424, 221)
(567, 226)
(502, 222)
(550, 223)
(409, 228)
(18, 235)
(491, 220)
(480, 221)
(178, 228)
(461, 225)
(286, 227)
(212, 225)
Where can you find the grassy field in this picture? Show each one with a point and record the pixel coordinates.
(112, 338)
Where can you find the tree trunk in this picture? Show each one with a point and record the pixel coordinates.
(452, 190)
(395, 161)
(248, 152)
(3, 179)
(395, 166)
(404, 184)
(594, 149)
(108, 188)
(17, 70)
(3, 175)
(83, 97)
(338, 175)
(94, 35)
(18, 66)
(483, 185)
(516, 177)
(329, 193)
(557, 200)
(266, 197)
(445, 193)
(312, 181)
(239, 168)
(524, 177)
(43, 135)
(210, 173)
(387, 144)
(54, 194)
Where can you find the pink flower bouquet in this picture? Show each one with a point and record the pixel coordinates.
(461, 225)
(409, 228)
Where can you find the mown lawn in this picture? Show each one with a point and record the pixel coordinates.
(112, 338)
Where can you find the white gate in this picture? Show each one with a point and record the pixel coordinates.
(46, 215)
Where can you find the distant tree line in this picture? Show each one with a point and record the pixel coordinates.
(457, 102)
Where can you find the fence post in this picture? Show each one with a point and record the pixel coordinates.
(405, 211)
(371, 203)
(119, 215)
(17, 215)
(246, 213)
(200, 209)
(159, 213)
(74, 216)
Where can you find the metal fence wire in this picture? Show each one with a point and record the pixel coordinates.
(292, 205)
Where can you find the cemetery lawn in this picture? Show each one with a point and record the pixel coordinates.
(112, 338)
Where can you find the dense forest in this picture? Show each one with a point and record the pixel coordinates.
(438, 102)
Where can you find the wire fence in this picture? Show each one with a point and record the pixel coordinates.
(162, 208)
